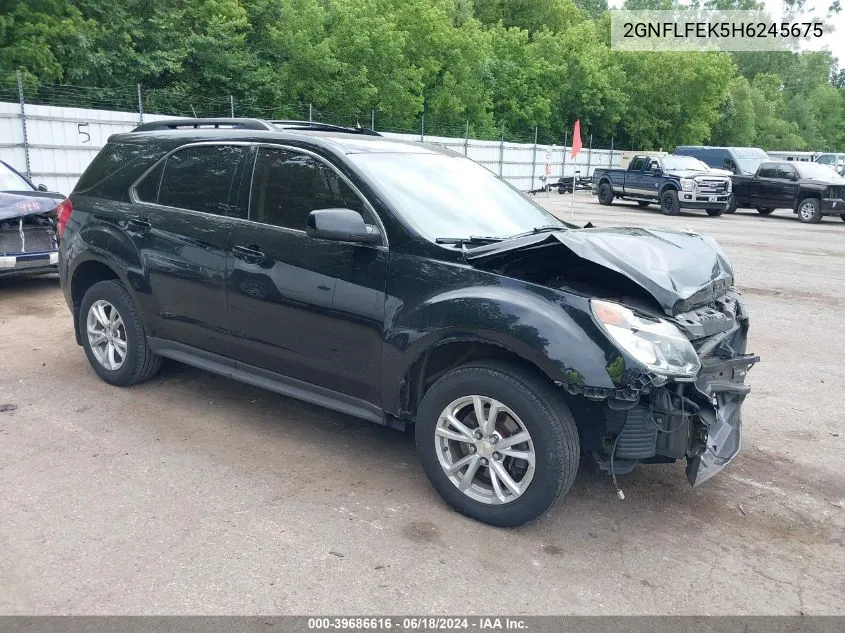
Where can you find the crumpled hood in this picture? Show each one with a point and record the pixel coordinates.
(16, 204)
(679, 269)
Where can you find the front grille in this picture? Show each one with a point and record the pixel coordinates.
(709, 185)
(36, 239)
(837, 192)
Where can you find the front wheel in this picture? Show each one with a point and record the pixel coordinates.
(715, 212)
(842, 216)
(731, 205)
(810, 211)
(605, 193)
(497, 443)
(764, 210)
(669, 203)
(113, 337)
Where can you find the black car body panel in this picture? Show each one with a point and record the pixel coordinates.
(366, 328)
(28, 240)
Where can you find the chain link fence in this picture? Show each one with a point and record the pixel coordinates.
(52, 131)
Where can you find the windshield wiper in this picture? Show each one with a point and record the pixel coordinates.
(472, 239)
(540, 229)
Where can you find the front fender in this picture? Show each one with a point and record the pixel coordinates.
(551, 329)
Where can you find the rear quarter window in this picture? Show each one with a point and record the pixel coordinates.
(115, 169)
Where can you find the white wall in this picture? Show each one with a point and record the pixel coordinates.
(63, 141)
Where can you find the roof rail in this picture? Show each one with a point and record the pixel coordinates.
(316, 126)
(199, 124)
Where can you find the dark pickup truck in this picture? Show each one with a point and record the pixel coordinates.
(811, 190)
(674, 182)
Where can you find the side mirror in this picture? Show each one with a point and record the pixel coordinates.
(343, 225)
(42, 187)
(794, 176)
(656, 171)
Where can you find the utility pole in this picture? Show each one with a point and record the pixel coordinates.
(232, 105)
(140, 105)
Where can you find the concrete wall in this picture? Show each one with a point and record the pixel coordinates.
(61, 142)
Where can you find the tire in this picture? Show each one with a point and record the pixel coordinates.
(764, 210)
(731, 205)
(715, 212)
(643, 203)
(669, 203)
(605, 194)
(138, 362)
(810, 211)
(842, 216)
(537, 408)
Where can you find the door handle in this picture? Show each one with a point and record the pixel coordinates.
(247, 253)
(139, 224)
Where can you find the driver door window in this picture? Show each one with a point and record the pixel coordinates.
(287, 186)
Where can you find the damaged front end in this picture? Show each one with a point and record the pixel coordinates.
(677, 330)
(698, 418)
(28, 237)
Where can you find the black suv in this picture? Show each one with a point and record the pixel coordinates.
(405, 284)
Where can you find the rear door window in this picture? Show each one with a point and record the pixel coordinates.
(637, 165)
(199, 178)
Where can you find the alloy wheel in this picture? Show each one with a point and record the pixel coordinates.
(106, 334)
(485, 449)
(807, 211)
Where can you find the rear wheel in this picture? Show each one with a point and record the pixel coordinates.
(605, 193)
(669, 203)
(113, 336)
(810, 211)
(497, 443)
(764, 210)
(715, 212)
(643, 203)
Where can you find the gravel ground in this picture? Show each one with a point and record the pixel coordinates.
(195, 494)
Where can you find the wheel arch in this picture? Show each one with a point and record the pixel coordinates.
(85, 274)
(667, 186)
(448, 352)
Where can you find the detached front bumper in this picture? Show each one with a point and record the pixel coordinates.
(723, 382)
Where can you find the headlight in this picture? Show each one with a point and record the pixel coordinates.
(656, 343)
(730, 185)
(687, 184)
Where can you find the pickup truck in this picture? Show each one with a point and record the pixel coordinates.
(674, 182)
(811, 190)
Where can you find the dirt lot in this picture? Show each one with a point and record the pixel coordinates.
(195, 494)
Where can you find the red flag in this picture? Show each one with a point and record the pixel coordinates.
(576, 139)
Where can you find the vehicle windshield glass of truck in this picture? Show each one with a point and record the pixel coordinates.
(818, 172)
(681, 163)
(748, 159)
(10, 181)
(451, 197)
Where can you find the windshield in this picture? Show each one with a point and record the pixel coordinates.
(749, 165)
(447, 196)
(821, 172)
(674, 161)
(10, 181)
(750, 152)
